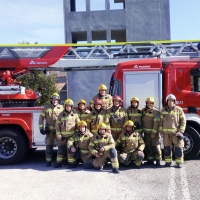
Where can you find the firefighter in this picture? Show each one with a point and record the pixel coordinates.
(131, 145)
(50, 113)
(65, 127)
(151, 122)
(134, 113)
(172, 127)
(102, 146)
(78, 147)
(106, 98)
(96, 116)
(82, 110)
(116, 115)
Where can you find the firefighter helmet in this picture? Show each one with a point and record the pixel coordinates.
(102, 87)
(125, 158)
(69, 102)
(116, 97)
(102, 126)
(129, 123)
(134, 99)
(81, 101)
(98, 102)
(55, 95)
(151, 99)
(170, 96)
(82, 123)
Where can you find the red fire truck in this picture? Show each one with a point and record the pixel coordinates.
(140, 69)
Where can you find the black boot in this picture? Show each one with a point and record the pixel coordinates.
(48, 163)
(168, 164)
(58, 165)
(149, 162)
(157, 162)
(115, 171)
(72, 165)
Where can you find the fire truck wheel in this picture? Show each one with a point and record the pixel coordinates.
(192, 141)
(13, 146)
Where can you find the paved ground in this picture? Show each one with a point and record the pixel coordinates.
(32, 180)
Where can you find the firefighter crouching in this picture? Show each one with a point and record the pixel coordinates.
(131, 146)
(172, 127)
(116, 115)
(151, 122)
(77, 146)
(50, 114)
(82, 110)
(96, 116)
(102, 146)
(106, 98)
(134, 113)
(65, 128)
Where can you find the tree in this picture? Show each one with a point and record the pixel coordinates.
(40, 82)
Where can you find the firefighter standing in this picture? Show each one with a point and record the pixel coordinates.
(134, 113)
(116, 115)
(131, 145)
(102, 146)
(96, 116)
(82, 110)
(65, 128)
(151, 122)
(172, 127)
(50, 114)
(78, 147)
(106, 98)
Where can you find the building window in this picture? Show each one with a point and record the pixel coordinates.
(117, 4)
(97, 5)
(118, 35)
(79, 36)
(99, 35)
(77, 5)
(195, 80)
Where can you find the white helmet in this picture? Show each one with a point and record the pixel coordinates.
(170, 96)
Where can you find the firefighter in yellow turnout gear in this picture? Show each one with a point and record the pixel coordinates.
(65, 127)
(97, 116)
(106, 98)
(131, 146)
(78, 147)
(82, 110)
(116, 115)
(134, 113)
(151, 122)
(50, 114)
(102, 146)
(172, 127)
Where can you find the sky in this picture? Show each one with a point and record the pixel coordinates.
(42, 20)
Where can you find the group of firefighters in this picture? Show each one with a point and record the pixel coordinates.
(109, 132)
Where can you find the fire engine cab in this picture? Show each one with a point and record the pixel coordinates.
(142, 69)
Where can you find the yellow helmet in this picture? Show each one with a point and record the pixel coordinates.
(102, 87)
(101, 125)
(129, 123)
(151, 99)
(68, 102)
(108, 127)
(134, 99)
(81, 101)
(55, 95)
(82, 123)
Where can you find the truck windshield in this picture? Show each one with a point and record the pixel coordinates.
(195, 80)
(115, 87)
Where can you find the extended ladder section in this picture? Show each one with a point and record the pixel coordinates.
(15, 89)
(108, 55)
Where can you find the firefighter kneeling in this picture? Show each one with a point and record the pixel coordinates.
(102, 146)
(131, 145)
(78, 147)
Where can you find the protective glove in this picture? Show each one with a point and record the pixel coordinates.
(42, 131)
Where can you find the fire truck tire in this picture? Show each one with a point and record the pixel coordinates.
(13, 146)
(192, 141)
